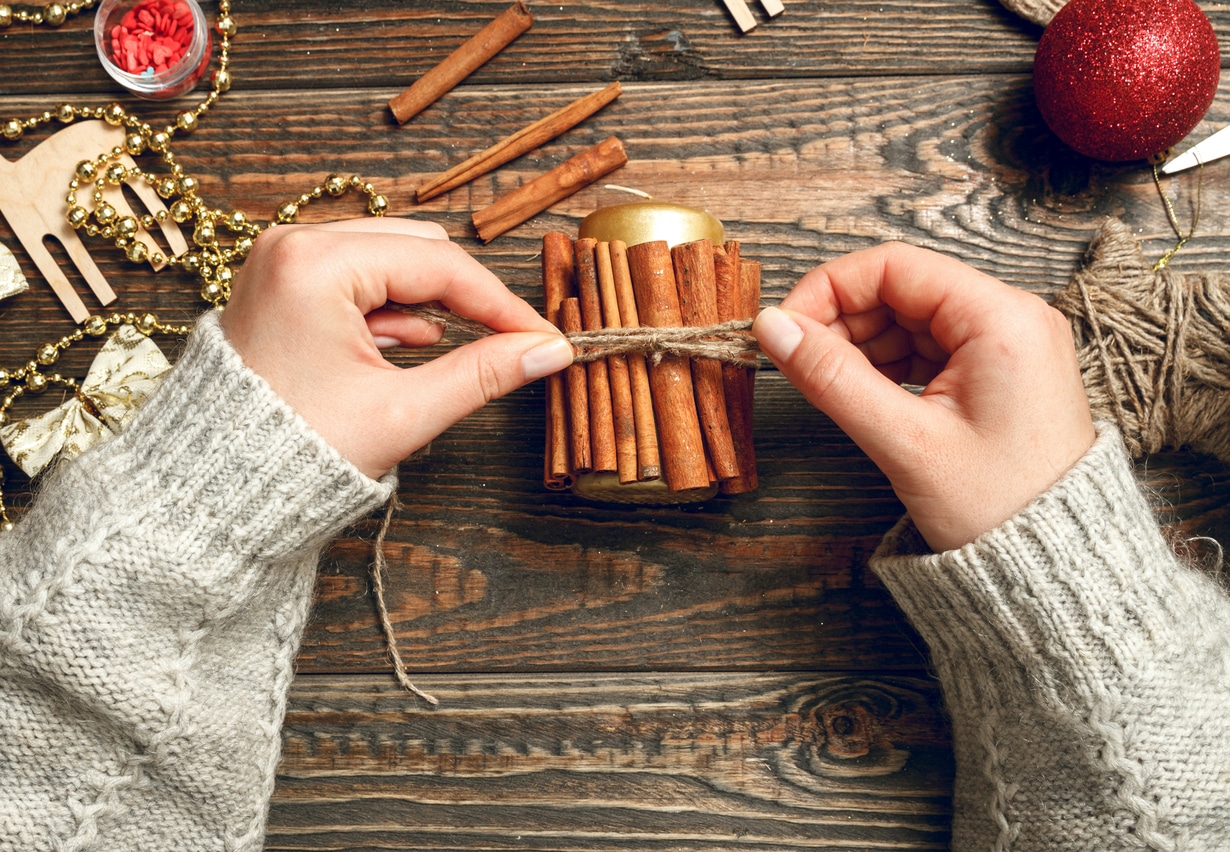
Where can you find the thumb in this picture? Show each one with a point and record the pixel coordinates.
(879, 415)
(433, 396)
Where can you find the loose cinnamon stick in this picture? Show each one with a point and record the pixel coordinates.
(617, 368)
(540, 193)
(657, 300)
(648, 460)
(601, 417)
(524, 140)
(577, 393)
(557, 285)
(462, 62)
(695, 278)
(736, 302)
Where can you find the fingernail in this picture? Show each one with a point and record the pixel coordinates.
(547, 358)
(383, 342)
(779, 335)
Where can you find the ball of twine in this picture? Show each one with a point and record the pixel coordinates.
(1153, 345)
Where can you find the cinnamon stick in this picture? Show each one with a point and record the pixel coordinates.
(617, 368)
(462, 62)
(557, 285)
(695, 278)
(648, 460)
(601, 417)
(734, 301)
(657, 299)
(521, 142)
(539, 194)
(577, 393)
(749, 286)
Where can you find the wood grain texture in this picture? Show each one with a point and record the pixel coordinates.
(657, 761)
(488, 572)
(391, 43)
(799, 171)
(727, 675)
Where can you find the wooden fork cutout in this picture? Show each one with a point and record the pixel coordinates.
(32, 192)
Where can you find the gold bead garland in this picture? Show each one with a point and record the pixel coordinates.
(53, 14)
(208, 257)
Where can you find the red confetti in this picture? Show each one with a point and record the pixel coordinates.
(152, 36)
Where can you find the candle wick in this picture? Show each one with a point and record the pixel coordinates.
(627, 189)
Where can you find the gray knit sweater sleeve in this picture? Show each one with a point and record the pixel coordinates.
(1086, 671)
(151, 605)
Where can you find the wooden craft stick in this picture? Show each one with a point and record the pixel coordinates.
(462, 62)
(577, 392)
(557, 285)
(657, 301)
(601, 416)
(648, 460)
(539, 194)
(695, 278)
(524, 140)
(617, 368)
(741, 13)
(734, 302)
(773, 8)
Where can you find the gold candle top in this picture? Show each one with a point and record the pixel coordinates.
(647, 221)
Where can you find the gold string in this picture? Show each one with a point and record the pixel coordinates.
(1174, 219)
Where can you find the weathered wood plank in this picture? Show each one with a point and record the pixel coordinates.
(390, 43)
(488, 572)
(799, 170)
(756, 762)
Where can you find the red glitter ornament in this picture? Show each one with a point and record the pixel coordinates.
(1123, 80)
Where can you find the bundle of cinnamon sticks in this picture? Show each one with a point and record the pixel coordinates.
(686, 421)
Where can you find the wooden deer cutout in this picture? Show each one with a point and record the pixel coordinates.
(32, 191)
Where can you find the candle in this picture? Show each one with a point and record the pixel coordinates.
(646, 221)
(641, 281)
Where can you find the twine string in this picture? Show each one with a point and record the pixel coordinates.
(730, 342)
(1153, 347)
(378, 568)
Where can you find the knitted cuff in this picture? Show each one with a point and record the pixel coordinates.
(217, 454)
(1076, 592)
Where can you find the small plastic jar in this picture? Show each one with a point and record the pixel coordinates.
(177, 79)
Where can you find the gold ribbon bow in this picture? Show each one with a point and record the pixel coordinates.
(123, 376)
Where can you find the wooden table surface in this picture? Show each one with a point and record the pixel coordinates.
(727, 675)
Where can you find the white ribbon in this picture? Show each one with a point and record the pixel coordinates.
(123, 376)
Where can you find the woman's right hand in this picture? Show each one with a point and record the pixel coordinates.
(1003, 413)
